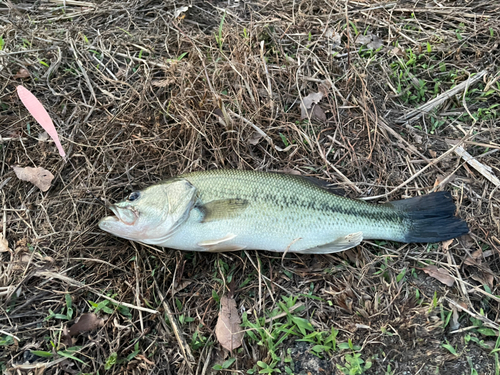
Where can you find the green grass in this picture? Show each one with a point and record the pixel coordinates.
(273, 333)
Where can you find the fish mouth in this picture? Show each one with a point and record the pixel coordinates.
(126, 215)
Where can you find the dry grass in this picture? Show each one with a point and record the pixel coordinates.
(139, 95)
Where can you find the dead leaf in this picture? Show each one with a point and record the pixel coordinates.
(140, 356)
(43, 136)
(255, 138)
(466, 241)
(477, 254)
(454, 319)
(484, 278)
(446, 244)
(87, 322)
(66, 337)
(39, 177)
(182, 285)
(324, 87)
(4, 245)
(364, 39)
(310, 107)
(228, 330)
(162, 82)
(440, 274)
(475, 259)
(22, 73)
(376, 42)
(179, 12)
(396, 51)
(371, 41)
(334, 38)
(433, 153)
(318, 113)
(219, 115)
(463, 305)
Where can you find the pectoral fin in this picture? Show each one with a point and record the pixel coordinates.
(223, 209)
(340, 244)
(220, 245)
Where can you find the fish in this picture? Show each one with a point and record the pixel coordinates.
(229, 209)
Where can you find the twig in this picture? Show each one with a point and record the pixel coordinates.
(9, 334)
(74, 3)
(78, 284)
(486, 171)
(445, 10)
(42, 365)
(435, 161)
(186, 351)
(344, 177)
(258, 130)
(12, 139)
(138, 289)
(269, 87)
(291, 309)
(84, 72)
(159, 65)
(487, 322)
(414, 115)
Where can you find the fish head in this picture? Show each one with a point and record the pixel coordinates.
(151, 215)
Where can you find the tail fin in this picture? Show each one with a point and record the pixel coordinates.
(431, 218)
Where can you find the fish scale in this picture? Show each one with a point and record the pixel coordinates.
(235, 209)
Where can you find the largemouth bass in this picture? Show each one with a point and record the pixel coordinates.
(227, 210)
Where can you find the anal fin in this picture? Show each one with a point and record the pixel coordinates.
(340, 244)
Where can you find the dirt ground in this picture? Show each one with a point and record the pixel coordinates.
(140, 91)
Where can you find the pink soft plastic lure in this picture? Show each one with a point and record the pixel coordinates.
(40, 114)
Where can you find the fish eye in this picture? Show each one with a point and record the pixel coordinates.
(133, 196)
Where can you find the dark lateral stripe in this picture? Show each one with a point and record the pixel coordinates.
(333, 207)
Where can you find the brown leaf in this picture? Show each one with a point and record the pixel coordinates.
(255, 138)
(483, 277)
(228, 330)
(220, 116)
(446, 244)
(4, 245)
(396, 51)
(439, 179)
(440, 274)
(475, 259)
(308, 102)
(87, 322)
(66, 337)
(22, 73)
(454, 319)
(162, 82)
(318, 113)
(324, 87)
(39, 177)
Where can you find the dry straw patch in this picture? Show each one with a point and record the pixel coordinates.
(140, 91)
